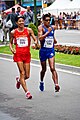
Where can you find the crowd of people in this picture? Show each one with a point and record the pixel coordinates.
(65, 20)
(62, 21)
(28, 15)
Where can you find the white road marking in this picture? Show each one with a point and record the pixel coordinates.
(36, 65)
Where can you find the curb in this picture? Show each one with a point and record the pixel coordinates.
(58, 66)
(73, 69)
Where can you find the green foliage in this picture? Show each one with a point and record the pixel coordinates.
(62, 58)
(34, 28)
(34, 54)
(5, 50)
(68, 59)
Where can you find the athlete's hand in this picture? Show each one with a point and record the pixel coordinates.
(13, 51)
(49, 29)
(33, 46)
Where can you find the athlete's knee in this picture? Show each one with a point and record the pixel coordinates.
(27, 76)
(52, 69)
(43, 70)
(22, 73)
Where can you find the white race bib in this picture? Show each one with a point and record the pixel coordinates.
(49, 42)
(22, 41)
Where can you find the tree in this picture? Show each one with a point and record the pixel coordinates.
(35, 13)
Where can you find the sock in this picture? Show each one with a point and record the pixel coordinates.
(56, 85)
(27, 92)
(41, 82)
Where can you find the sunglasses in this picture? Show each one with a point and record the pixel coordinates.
(47, 20)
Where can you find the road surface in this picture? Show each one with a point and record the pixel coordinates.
(46, 105)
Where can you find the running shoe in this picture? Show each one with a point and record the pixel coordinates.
(41, 86)
(28, 95)
(57, 88)
(18, 83)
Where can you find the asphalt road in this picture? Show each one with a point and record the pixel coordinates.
(46, 105)
(68, 37)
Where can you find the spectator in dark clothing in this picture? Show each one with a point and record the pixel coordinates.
(29, 16)
(12, 16)
(18, 11)
(52, 22)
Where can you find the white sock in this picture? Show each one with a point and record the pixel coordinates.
(41, 82)
(56, 84)
(27, 92)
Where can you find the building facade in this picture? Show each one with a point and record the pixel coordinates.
(5, 4)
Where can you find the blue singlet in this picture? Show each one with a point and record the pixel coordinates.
(47, 46)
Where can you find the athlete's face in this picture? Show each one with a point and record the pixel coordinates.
(47, 21)
(20, 22)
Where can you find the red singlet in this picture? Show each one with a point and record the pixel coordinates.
(22, 39)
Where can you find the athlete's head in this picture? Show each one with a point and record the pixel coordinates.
(45, 15)
(20, 16)
(46, 19)
(20, 21)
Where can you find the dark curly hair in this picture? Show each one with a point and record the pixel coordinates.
(45, 15)
(20, 16)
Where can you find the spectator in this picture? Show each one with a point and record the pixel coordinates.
(1, 32)
(5, 30)
(52, 22)
(12, 16)
(60, 19)
(18, 11)
(28, 15)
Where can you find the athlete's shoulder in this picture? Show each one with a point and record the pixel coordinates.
(54, 27)
(28, 28)
(13, 31)
(40, 27)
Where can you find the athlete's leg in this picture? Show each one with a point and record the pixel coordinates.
(43, 70)
(22, 74)
(52, 69)
(26, 76)
(42, 73)
(27, 70)
(54, 73)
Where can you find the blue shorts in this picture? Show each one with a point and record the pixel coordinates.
(46, 53)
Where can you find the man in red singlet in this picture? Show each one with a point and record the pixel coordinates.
(22, 57)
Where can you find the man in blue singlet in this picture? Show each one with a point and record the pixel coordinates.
(47, 41)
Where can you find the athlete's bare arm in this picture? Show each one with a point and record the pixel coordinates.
(32, 34)
(11, 42)
(41, 36)
(54, 27)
